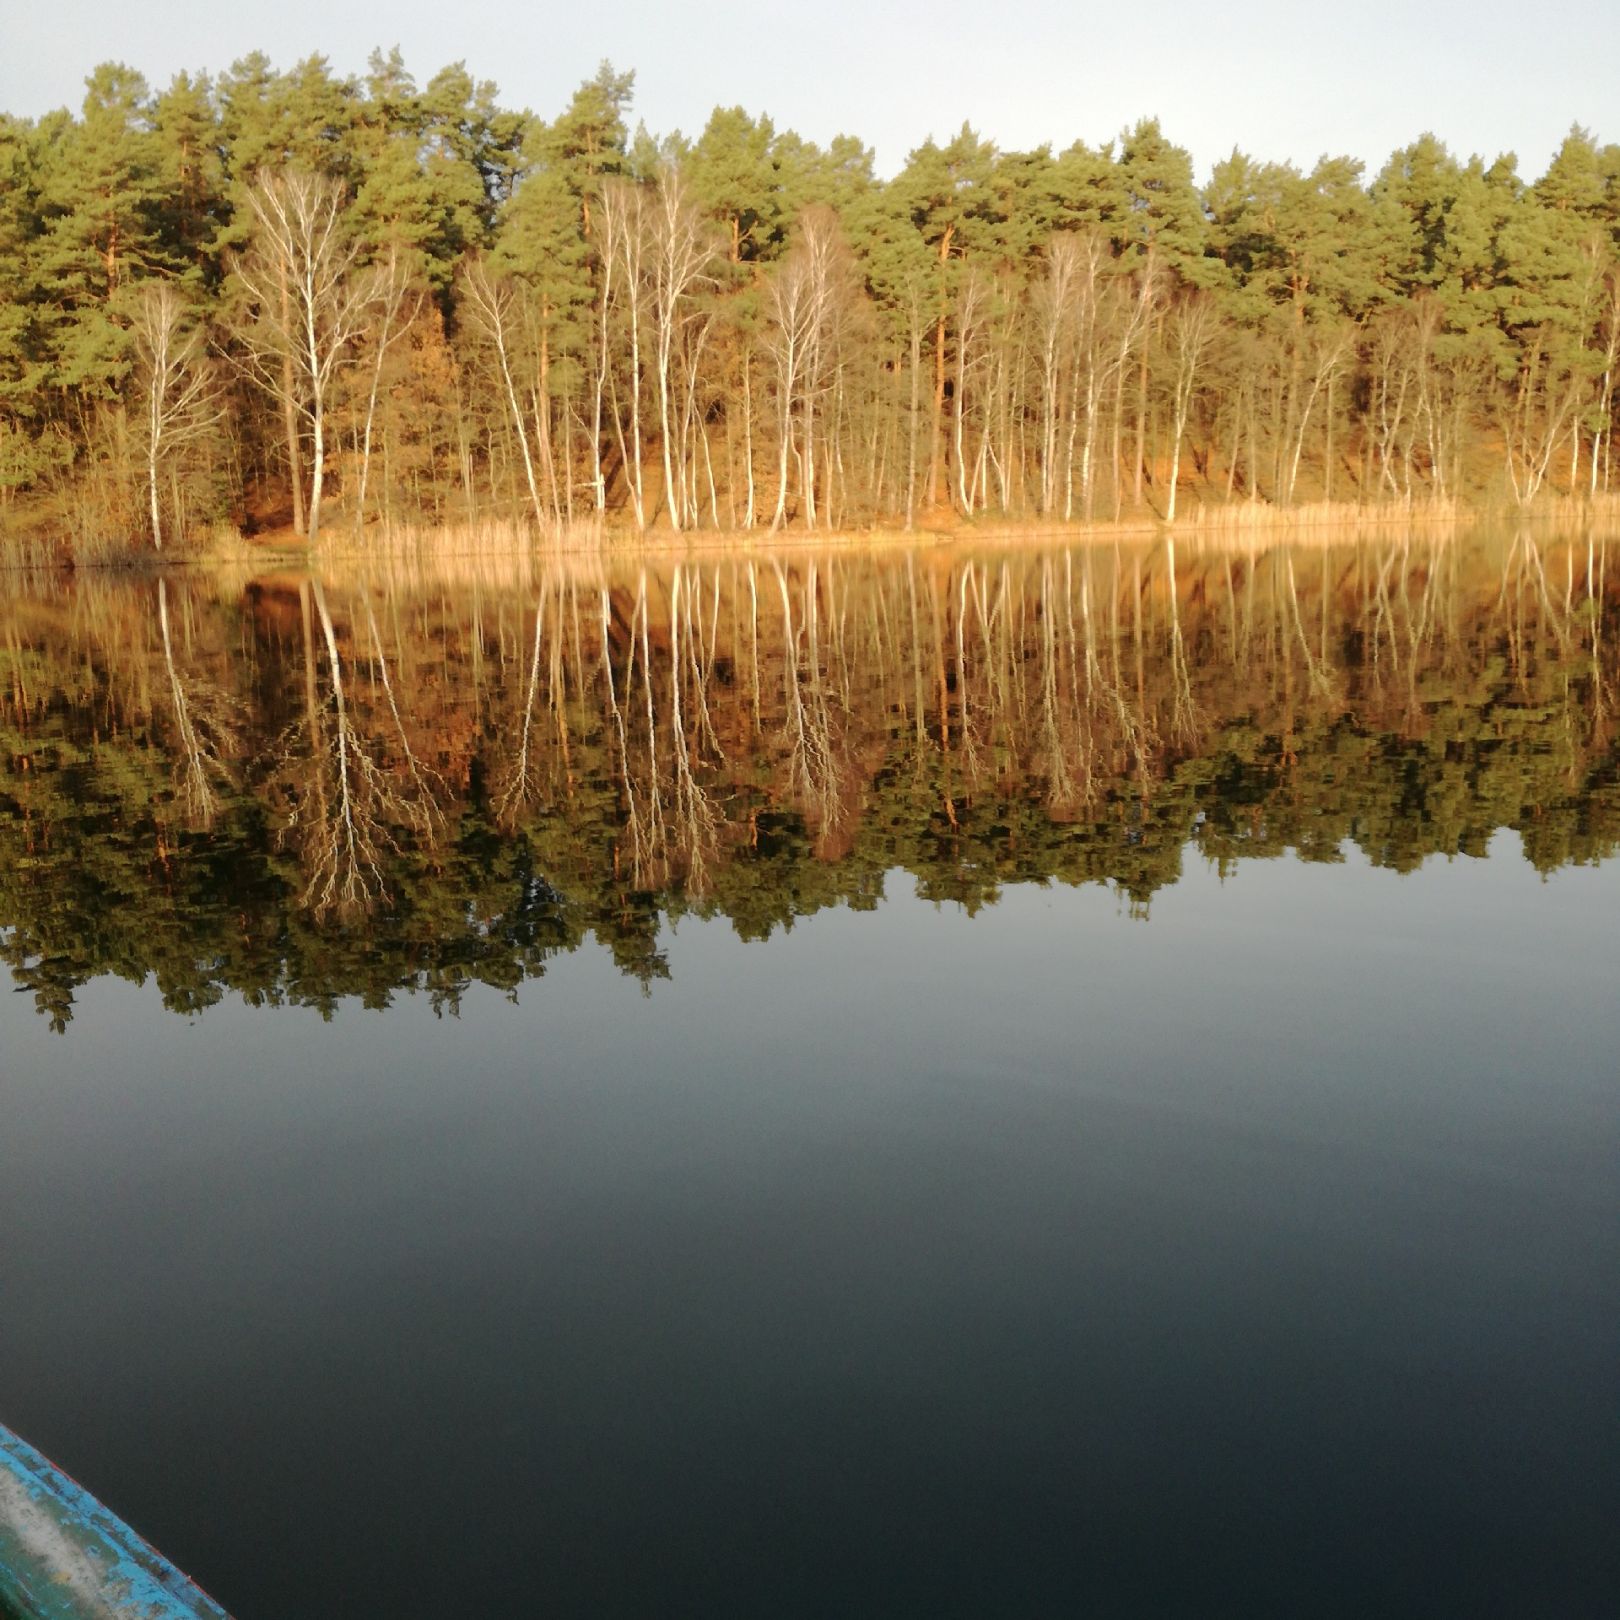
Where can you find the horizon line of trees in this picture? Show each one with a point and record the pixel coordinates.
(296, 298)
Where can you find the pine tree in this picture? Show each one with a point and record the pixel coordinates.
(24, 363)
(733, 171)
(188, 140)
(101, 207)
(946, 193)
(1163, 216)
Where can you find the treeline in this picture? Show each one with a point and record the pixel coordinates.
(271, 299)
(303, 791)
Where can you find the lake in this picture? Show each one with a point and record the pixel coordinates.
(948, 1082)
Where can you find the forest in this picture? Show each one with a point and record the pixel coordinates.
(297, 304)
(298, 789)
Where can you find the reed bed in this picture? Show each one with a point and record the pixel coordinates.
(503, 548)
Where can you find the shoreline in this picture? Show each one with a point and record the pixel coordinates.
(1240, 525)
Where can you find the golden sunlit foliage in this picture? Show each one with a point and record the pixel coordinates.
(385, 303)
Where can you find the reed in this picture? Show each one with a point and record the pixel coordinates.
(503, 548)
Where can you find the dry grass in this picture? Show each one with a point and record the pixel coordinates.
(506, 550)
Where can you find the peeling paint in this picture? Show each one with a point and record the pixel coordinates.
(63, 1556)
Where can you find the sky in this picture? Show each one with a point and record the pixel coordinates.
(1280, 81)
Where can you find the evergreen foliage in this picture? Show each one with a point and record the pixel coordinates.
(1013, 341)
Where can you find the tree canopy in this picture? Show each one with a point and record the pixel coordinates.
(1009, 344)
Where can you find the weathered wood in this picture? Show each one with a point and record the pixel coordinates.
(63, 1556)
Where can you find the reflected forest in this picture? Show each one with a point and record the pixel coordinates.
(300, 788)
(294, 303)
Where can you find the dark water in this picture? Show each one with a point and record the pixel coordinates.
(1031, 1084)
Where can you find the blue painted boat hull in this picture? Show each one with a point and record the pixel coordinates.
(63, 1556)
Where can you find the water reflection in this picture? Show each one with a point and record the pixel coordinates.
(301, 789)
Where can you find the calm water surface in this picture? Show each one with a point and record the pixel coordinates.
(1016, 1084)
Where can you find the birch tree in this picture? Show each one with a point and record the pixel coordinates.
(1193, 325)
(678, 254)
(491, 302)
(177, 389)
(305, 302)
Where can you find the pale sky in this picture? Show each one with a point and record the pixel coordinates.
(1281, 81)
